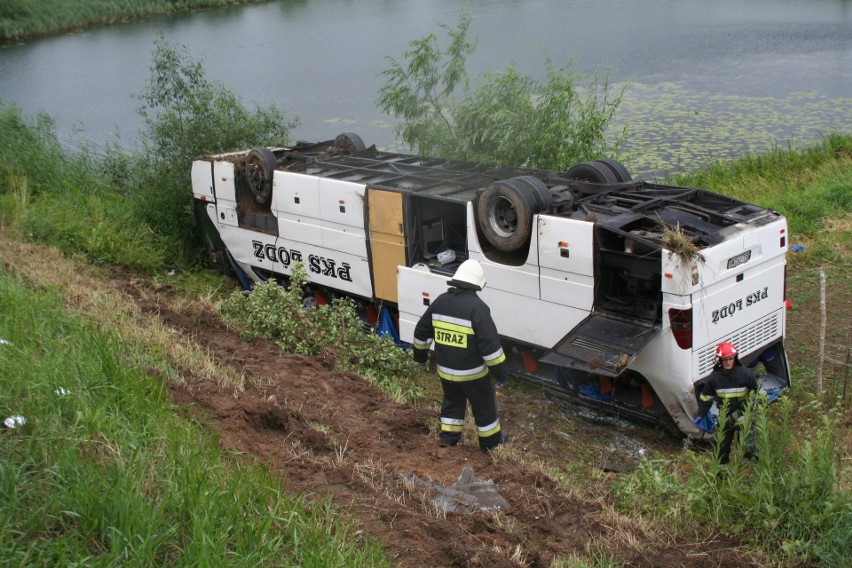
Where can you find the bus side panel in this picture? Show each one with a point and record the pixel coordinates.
(223, 180)
(417, 288)
(333, 269)
(202, 180)
(566, 256)
(341, 203)
(752, 300)
(668, 369)
(342, 208)
(299, 229)
(296, 194)
(251, 248)
(521, 318)
(387, 241)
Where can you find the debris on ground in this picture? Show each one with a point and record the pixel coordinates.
(14, 421)
(466, 496)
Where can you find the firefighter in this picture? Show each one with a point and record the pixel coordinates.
(468, 353)
(729, 385)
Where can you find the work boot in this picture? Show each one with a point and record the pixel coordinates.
(504, 437)
(444, 442)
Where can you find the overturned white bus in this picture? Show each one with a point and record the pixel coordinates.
(614, 290)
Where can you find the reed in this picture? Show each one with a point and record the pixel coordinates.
(62, 198)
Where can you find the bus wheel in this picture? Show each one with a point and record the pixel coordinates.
(349, 143)
(593, 172)
(259, 168)
(504, 211)
(617, 168)
(543, 198)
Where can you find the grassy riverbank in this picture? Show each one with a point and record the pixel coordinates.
(106, 467)
(24, 19)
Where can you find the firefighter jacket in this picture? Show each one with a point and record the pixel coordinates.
(732, 387)
(466, 339)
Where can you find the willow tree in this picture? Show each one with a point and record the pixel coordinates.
(186, 115)
(501, 118)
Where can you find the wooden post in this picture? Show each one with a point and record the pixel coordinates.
(821, 360)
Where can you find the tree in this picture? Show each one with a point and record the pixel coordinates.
(508, 119)
(186, 116)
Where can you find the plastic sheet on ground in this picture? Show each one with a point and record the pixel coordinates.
(466, 496)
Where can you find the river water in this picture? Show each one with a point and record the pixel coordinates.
(703, 80)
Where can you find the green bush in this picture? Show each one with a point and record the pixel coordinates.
(333, 332)
(186, 116)
(788, 501)
(509, 119)
(60, 198)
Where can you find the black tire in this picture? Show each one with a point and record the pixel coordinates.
(592, 172)
(542, 195)
(617, 168)
(349, 143)
(260, 165)
(504, 212)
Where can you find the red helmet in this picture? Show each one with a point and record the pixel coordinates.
(726, 350)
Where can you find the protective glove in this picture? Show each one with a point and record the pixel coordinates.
(421, 356)
(500, 374)
(706, 423)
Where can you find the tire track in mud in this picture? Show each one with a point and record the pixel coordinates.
(332, 434)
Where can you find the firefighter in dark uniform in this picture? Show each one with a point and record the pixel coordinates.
(729, 385)
(468, 353)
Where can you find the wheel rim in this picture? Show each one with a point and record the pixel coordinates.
(502, 217)
(256, 176)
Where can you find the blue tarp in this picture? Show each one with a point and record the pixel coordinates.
(707, 422)
(772, 393)
(387, 328)
(592, 390)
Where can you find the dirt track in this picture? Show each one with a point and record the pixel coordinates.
(333, 435)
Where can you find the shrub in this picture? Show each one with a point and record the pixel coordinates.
(334, 333)
(509, 119)
(186, 116)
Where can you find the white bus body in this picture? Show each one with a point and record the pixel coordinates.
(612, 290)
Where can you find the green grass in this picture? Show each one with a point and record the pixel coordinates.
(62, 199)
(810, 187)
(107, 472)
(790, 502)
(20, 19)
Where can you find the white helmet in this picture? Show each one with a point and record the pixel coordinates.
(470, 272)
